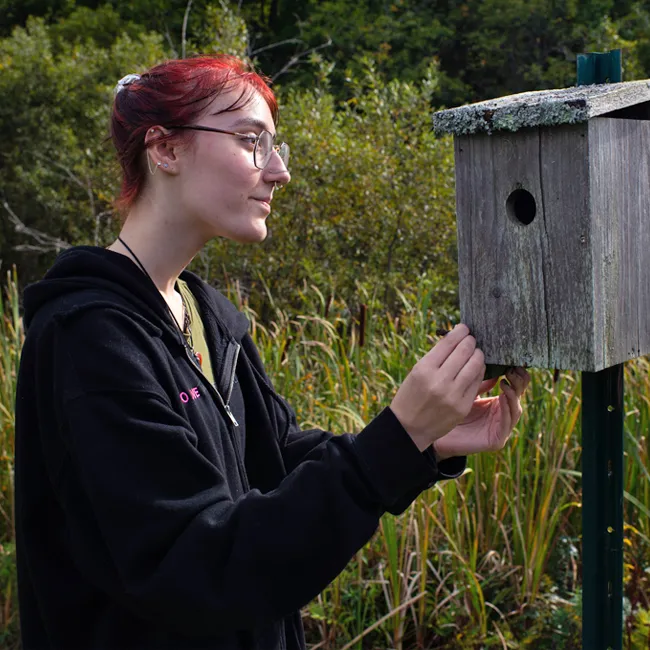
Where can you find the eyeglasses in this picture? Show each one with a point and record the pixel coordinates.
(264, 144)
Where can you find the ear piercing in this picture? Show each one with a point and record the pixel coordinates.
(158, 164)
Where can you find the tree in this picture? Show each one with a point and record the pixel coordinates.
(57, 175)
(372, 195)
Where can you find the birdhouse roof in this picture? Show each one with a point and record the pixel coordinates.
(541, 108)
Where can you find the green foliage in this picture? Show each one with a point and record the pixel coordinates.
(9, 625)
(640, 637)
(103, 26)
(403, 37)
(485, 48)
(222, 29)
(14, 13)
(372, 196)
(56, 173)
(628, 29)
(11, 341)
(501, 45)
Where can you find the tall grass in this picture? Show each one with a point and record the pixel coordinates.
(490, 560)
(11, 340)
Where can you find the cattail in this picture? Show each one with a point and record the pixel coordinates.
(328, 304)
(287, 343)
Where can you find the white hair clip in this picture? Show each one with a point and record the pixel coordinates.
(125, 81)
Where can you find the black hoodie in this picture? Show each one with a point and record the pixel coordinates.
(144, 517)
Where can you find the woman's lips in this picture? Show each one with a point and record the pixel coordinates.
(266, 203)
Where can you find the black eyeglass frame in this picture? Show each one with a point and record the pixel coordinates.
(253, 139)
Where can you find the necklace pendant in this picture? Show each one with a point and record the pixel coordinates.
(199, 358)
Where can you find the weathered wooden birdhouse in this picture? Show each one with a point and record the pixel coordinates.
(553, 211)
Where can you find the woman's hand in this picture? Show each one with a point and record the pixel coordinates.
(440, 390)
(490, 420)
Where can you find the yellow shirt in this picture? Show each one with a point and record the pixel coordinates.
(198, 342)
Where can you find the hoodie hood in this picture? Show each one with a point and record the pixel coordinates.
(85, 277)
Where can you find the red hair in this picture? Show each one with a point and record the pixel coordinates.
(175, 92)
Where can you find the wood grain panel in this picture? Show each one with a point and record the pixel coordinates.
(620, 206)
(500, 260)
(566, 245)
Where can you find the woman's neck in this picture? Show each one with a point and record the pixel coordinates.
(163, 247)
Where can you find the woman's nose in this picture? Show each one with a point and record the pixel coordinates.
(276, 171)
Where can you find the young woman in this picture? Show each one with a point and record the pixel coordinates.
(165, 496)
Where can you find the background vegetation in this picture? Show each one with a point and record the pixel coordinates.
(358, 270)
(491, 560)
(372, 196)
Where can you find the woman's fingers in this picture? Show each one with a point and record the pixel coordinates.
(471, 374)
(440, 353)
(506, 417)
(507, 405)
(462, 355)
(513, 404)
(462, 365)
(519, 380)
(431, 400)
(487, 385)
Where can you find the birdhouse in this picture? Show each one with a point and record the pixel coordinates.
(553, 214)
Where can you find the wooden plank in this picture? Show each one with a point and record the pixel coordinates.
(500, 259)
(642, 210)
(620, 206)
(566, 243)
(541, 108)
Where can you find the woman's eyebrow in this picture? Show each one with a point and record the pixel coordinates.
(250, 121)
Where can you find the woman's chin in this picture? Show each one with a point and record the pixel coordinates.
(254, 235)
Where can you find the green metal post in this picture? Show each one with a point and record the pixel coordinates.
(600, 68)
(602, 509)
(602, 463)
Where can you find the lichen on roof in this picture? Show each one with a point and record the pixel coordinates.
(541, 108)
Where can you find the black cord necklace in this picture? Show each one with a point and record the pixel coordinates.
(187, 321)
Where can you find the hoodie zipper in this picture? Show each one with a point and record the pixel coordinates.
(231, 382)
(225, 405)
(231, 379)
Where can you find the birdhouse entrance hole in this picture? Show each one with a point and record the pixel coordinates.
(521, 206)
